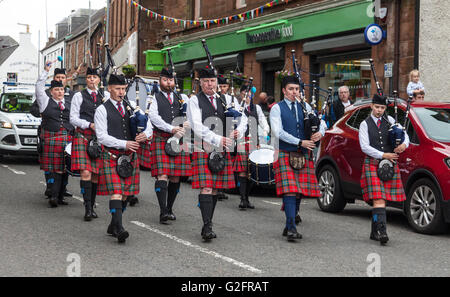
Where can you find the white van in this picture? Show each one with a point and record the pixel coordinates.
(18, 128)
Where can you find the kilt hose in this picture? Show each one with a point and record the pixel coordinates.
(203, 178)
(52, 158)
(80, 157)
(145, 154)
(110, 183)
(162, 164)
(241, 159)
(373, 188)
(288, 180)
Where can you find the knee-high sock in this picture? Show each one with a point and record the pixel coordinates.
(297, 205)
(94, 194)
(173, 190)
(242, 187)
(86, 191)
(65, 180)
(289, 210)
(214, 199)
(379, 215)
(206, 206)
(161, 192)
(115, 207)
(56, 185)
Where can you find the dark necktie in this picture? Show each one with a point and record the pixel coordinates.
(170, 99)
(212, 102)
(294, 113)
(61, 106)
(94, 96)
(120, 109)
(379, 123)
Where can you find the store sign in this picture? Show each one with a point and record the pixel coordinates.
(155, 60)
(12, 77)
(273, 34)
(388, 70)
(374, 34)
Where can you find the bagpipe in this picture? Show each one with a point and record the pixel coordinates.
(397, 134)
(312, 120)
(138, 120)
(328, 113)
(183, 104)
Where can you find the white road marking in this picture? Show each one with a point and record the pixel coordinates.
(274, 203)
(199, 248)
(13, 170)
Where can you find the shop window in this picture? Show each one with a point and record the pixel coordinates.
(355, 74)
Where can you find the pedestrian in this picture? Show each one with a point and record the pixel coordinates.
(212, 169)
(88, 162)
(263, 102)
(415, 85)
(294, 169)
(376, 144)
(168, 167)
(419, 96)
(56, 133)
(119, 176)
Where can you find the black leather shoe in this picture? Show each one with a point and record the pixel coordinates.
(298, 220)
(243, 205)
(207, 233)
(164, 219)
(111, 230)
(62, 202)
(379, 233)
(53, 202)
(285, 231)
(88, 214)
(122, 236)
(68, 194)
(48, 193)
(172, 217)
(94, 214)
(133, 200)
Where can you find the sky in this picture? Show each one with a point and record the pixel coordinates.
(33, 12)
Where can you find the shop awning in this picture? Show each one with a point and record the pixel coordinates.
(270, 55)
(229, 60)
(342, 41)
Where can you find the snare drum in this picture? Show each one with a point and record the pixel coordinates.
(261, 166)
(68, 161)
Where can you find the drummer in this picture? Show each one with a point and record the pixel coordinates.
(56, 133)
(84, 105)
(256, 118)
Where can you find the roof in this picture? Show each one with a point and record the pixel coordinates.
(7, 46)
(96, 18)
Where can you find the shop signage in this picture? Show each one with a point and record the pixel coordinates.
(155, 60)
(273, 34)
(374, 34)
(12, 77)
(388, 70)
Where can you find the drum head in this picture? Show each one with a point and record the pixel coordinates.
(263, 156)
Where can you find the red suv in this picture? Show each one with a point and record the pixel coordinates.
(424, 166)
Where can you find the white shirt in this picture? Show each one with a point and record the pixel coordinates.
(156, 119)
(101, 127)
(263, 128)
(41, 96)
(194, 115)
(365, 142)
(277, 124)
(75, 106)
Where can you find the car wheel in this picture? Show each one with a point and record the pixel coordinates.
(331, 198)
(423, 208)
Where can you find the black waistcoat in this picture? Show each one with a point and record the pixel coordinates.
(53, 118)
(118, 126)
(167, 111)
(379, 138)
(88, 107)
(209, 111)
(253, 113)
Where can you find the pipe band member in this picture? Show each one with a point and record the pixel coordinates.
(375, 143)
(112, 125)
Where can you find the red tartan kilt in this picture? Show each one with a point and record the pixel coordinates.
(52, 158)
(162, 164)
(203, 178)
(80, 157)
(241, 159)
(373, 188)
(145, 154)
(110, 183)
(288, 180)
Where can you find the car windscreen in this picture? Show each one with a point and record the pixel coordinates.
(16, 103)
(436, 122)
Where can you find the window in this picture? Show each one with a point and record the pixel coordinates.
(413, 138)
(76, 54)
(240, 4)
(360, 117)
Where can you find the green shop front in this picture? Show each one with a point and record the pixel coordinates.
(329, 40)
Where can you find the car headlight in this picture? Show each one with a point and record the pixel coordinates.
(447, 161)
(6, 125)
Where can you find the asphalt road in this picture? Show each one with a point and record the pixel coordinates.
(36, 240)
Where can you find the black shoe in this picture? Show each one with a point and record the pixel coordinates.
(172, 217)
(111, 230)
(292, 235)
(133, 200)
(94, 214)
(249, 205)
(164, 219)
(207, 233)
(243, 205)
(88, 213)
(285, 231)
(298, 220)
(221, 196)
(122, 236)
(62, 202)
(68, 194)
(53, 202)
(379, 234)
(48, 192)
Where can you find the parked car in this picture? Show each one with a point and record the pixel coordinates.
(18, 128)
(424, 166)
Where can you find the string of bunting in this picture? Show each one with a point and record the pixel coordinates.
(250, 14)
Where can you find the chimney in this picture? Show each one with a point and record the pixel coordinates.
(51, 38)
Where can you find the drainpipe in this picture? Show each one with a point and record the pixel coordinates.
(397, 45)
(416, 35)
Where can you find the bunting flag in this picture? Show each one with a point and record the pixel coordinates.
(250, 14)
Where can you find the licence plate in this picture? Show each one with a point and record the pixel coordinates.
(30, 141)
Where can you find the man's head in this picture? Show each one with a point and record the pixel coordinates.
(291, 88)
(344, 94)
(60, 75)
(223, 84)
(117, 87)
(92, 78)
(419, 96)
(57, 90)
(167, 80)
(208, 81)
(379, 105)
(13, 101)
(263, 98)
